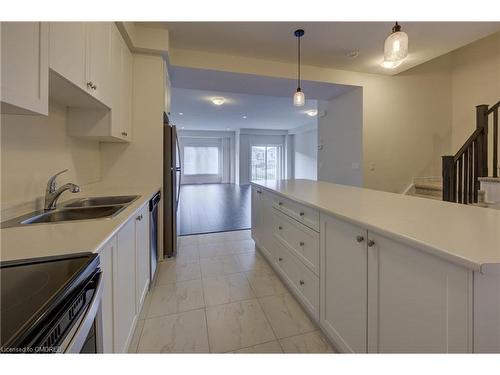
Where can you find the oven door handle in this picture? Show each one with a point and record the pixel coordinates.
(78, 339)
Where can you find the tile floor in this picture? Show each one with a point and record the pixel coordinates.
(221, 296)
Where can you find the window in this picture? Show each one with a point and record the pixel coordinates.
(201, 160)
(266, 162)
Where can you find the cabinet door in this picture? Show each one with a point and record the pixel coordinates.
(124, 287)
(343, 295)
(24, 68)
(142, 255)
(417, 303)
(68, 44)
(99, 60)
(256, 215)
(106, 260)
(126, 92)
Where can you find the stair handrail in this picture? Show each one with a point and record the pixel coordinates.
(461, 172)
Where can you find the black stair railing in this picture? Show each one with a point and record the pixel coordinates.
(461, 171)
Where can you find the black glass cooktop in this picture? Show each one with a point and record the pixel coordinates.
(29, 287)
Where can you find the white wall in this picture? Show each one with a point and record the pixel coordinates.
(340, 138)
(475, 79)
(35, 148)
(305, 152)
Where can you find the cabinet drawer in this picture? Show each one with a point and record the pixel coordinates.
(303, 282)
(306, 215)
(301, 240)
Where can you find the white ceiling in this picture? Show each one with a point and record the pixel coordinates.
(327, 43)
(263, 112)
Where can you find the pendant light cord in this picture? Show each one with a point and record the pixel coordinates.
(298, 59)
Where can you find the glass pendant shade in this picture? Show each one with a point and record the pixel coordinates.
(299, 98)
(396, 46)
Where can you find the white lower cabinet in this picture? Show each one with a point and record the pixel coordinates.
(371, 293)
(106, 260)
(417, 303)
(382, 296)
(125, 266)
(344, 284)
(124, 299)
(142, 258)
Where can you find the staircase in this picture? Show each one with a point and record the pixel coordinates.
(465, 172)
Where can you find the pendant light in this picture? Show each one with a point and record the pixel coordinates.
(298, 98)
(395, 47)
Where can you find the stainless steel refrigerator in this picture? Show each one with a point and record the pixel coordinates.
(171, 186)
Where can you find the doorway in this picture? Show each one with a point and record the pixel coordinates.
(266, 162)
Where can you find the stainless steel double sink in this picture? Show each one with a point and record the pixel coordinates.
(76, 209)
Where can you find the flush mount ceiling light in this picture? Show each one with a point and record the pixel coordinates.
(312, 112)
(298, 98)
(244, 116)
(218, 100)
(395, 48)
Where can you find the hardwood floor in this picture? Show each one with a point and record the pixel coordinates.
(210, 208)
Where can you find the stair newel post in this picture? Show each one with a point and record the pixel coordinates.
(482, 124)
(448, 173)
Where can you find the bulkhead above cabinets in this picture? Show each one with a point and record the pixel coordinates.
(85, 66)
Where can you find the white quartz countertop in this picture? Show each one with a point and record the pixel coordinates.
(467, 235)
(39, 240)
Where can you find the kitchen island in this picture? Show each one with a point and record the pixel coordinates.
(383, 272)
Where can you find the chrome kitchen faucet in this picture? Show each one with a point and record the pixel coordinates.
(52, 194)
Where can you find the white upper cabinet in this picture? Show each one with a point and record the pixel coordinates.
(121, 74)
(99, 60)
(24, 68)
(108, 78)
(68, 47)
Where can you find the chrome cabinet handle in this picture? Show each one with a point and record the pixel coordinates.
(301, 282)
(360, 238)
(302, 214)
(124, 134)
(301, 243)
(371, 243)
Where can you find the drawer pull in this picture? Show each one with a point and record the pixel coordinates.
(302, 244)
(280, 259)
(259, 192)
(370, 243)
(360, 238)
(301, 282)
(124, 134)
(280, 203)
(280, 227)
(302, 214)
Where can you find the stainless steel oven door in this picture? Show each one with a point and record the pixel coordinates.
(86, 335)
